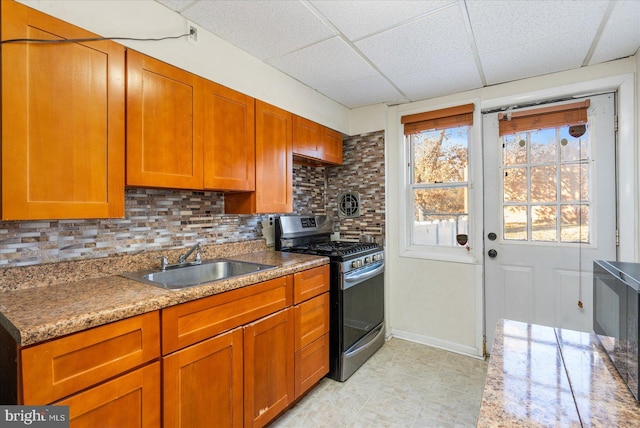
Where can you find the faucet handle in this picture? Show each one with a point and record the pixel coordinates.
(163, 263)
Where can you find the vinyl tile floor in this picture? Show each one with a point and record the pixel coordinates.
(404, 384)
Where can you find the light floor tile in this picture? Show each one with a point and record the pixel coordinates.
(404, 384)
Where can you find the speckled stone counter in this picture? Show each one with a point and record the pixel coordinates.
(541, 376)
(32, 315)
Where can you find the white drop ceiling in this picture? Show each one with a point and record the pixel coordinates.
(360, 52)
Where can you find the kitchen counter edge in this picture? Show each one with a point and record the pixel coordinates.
(36, 315)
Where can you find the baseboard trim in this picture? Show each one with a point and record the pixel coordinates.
(437, 343)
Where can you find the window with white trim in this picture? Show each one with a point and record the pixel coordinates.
(438, 177)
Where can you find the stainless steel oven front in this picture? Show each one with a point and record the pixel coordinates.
(357, 313)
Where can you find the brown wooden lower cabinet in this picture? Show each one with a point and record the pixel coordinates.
(268, 367)
(312, 364)
(203, 383)
(234, 359)
(131, 400)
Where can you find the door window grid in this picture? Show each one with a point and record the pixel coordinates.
(546, 186)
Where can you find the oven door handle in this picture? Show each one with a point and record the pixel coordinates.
(351, 280)
(365, 344)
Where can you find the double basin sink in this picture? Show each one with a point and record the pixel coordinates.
(190, 275)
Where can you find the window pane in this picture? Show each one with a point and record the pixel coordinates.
(543, 146)
(440, 156)
(515, 185)
(514, 149)
(574, 226)
(515, 223)
(543, 223)
(440, 214)
(543, 184)
(573, 149)
(574, 181)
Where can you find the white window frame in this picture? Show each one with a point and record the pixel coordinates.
(433, 252)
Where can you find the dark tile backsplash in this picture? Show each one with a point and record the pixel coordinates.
(167, 219)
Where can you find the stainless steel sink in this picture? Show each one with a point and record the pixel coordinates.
(191, 275)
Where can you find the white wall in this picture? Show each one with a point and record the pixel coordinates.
(211, 57)
(440, 302)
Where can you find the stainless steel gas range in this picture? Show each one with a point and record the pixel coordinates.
(357, 289)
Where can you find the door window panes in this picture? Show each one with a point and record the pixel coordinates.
(546, 186)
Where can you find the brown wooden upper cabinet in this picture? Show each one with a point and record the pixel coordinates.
(229, 139)
(316, 142)
(63, 129)
(164, 124)
(186, 132)
(274, 165)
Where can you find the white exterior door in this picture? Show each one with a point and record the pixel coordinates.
(549, 210)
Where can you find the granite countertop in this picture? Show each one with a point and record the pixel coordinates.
(544, 376)
(33, 315)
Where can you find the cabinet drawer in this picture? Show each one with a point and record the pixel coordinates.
(311, 320)
(64, 366)
(312, 363)
(310, 283)
(131, 400)
(188, 323)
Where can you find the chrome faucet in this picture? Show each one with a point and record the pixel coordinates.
(183, 257)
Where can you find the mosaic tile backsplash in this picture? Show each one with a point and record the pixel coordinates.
(159, 219)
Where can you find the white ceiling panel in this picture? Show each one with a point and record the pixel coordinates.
(361, 52)
(177, 5)
(535, 58)
(499, 24)
(364, 92)
(621, 36)
(439, 38)
(324, 64)
(440, 79)
(265, 29)
(356, 19)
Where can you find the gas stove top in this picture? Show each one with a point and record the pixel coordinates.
(312, 235)
(335, 248)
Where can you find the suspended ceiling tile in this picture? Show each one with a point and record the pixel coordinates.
(177, 5)
(363, 92)
(621, 36)
(440, 79)
(535, 58)
(356, 19)
(265, 29)
(435, 39)
(324, 64)
(499, 24)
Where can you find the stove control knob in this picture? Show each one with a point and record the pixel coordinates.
(377, 257)
(356, 264)
(367, 260)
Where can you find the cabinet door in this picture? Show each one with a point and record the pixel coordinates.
(311, 320)
(307, 137)
(131, 400)
(268, 367)
(164, 124)
(332, 146)
(203, 384)
(64, 366)
(62, 121)
(229, 139)
(312, 364)
(274, 166)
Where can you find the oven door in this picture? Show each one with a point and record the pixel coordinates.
(363, 303)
